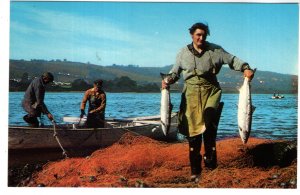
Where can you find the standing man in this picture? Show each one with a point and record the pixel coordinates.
(200, 62)
(97, 103)
(33, 102)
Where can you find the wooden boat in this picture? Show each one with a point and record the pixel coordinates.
(81, 141)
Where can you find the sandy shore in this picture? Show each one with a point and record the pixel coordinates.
(137, 161)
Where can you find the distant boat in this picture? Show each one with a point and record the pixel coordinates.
(277, 96)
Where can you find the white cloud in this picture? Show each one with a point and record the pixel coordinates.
(64, 24)
(79, 38)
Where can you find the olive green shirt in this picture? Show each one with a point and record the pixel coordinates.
(210, 60)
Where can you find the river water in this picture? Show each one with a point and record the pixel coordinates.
(272, 119)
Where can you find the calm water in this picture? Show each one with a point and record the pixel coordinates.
(273, 119)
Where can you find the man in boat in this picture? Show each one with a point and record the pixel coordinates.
(97, 103)
(33, 102)
(198, 116)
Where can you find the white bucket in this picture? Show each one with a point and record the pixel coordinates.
(75, 120)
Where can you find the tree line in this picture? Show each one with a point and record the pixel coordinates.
(119, 84)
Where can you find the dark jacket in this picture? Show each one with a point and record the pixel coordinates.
(33, 101)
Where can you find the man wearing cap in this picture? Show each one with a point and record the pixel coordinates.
(33, 102)
(97, 102)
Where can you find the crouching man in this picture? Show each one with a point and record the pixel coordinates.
(33, 102)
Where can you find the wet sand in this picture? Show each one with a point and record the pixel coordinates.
(137, 161)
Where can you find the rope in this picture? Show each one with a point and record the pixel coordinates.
(64, 153)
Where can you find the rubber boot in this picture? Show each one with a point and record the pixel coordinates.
(209, 138)
(195, 156)
(210, 159)
(32, 121)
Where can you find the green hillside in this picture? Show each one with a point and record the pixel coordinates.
(65, 71)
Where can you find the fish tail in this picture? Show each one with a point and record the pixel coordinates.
(163, 76)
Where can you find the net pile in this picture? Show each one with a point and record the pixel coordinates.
(137, 161)
(134, 161)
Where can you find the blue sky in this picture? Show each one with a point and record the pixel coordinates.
(150, 34)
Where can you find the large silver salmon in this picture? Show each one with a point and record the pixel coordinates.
(245, 111)
(165, 107)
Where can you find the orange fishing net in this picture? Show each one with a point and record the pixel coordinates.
(137, 161)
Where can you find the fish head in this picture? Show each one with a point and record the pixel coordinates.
(244, 135)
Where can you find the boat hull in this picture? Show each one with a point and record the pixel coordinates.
(27, 143)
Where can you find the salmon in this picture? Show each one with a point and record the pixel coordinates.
(245, 111)
(165, 107)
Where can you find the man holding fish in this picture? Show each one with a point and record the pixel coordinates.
(200, 106)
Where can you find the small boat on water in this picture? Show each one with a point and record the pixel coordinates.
(76, 139)
(277, 96)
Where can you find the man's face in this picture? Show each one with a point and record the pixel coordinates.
(199, 37)
(46, 80)
(96, 88)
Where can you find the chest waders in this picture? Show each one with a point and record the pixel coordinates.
(199, 115)
(96, 119)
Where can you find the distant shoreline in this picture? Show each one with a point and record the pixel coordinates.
(70, 76)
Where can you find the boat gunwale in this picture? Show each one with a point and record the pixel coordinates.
(77, 129)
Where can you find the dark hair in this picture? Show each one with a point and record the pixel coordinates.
(199, 26)
(49, 76)
(98, 82)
